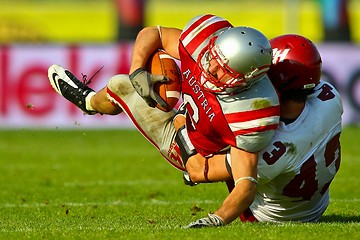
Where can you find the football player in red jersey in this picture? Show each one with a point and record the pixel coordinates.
(296, 169)
(229, 101)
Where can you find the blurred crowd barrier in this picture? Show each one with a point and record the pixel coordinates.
(95, 21)
(84, 35)
(28, 100)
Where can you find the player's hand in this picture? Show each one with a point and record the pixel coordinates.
(210, 221)
(144, 82)
(179, 119)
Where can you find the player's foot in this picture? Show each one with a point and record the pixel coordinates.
(68, 86)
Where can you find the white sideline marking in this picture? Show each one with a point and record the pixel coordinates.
(105, 183)
(101, 228)
(127, 203)
(114, 203)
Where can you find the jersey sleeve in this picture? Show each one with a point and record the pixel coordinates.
(254, 142)
(254, 119)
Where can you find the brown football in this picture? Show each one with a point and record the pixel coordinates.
(161, 63)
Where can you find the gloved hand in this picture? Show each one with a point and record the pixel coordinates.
(187, 180)
(210, 221)
(143, 82)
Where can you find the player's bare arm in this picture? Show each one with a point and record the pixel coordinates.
(240, 198)
(151, 38)
(204, 170)
(148, 40)
(244, 170)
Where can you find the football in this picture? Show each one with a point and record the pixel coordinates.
(161, 63)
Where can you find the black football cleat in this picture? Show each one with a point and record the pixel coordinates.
(68, 86)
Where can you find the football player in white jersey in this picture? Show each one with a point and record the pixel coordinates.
(296, 169)
(230, 102)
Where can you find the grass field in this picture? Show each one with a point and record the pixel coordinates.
(112, 184)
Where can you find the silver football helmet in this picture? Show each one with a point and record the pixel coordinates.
(243, 53)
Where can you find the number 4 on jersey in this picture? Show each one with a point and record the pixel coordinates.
(305, 183)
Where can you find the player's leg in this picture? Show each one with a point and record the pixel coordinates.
(100, 103)
(119, 95)
(155, 125)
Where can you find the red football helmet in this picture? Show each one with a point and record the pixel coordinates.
(296, 63)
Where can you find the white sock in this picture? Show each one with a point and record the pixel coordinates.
(87, 101)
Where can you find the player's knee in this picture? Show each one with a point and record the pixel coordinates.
(121, 85)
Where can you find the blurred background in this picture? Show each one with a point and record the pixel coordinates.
(84, 35)
(106, 21)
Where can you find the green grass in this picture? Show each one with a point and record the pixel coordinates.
(112, 184)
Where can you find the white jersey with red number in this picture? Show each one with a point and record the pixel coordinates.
(295, 171)
(246, 120)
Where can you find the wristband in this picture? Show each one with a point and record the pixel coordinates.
(251, 179)
(183, 141)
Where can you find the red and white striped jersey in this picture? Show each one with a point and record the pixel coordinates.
(295, 171)
(245, 120)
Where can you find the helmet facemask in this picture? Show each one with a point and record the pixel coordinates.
(229, 81)
(242, 58)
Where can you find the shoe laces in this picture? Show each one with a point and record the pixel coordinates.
(84, 77)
